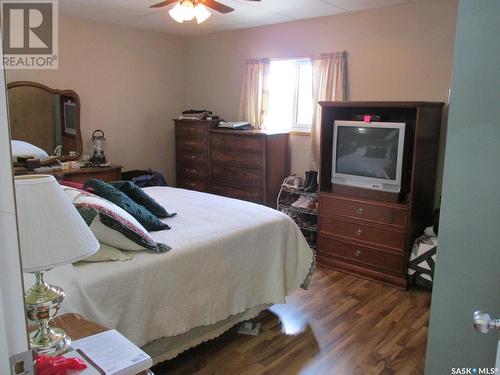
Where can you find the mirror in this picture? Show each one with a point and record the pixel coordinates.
(45, 117)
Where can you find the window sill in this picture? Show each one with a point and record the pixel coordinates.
(301, 133)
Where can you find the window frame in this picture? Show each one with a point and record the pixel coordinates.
(296, 126)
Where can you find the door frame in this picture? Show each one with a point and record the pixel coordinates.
(13, 329)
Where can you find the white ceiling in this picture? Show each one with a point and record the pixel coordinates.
(136, 13)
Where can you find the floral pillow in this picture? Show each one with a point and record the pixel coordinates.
(111, 224)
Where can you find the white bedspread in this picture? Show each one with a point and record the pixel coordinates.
(227, 256)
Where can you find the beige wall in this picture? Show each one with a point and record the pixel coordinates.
(130, 85)
(133, 82)
(402, 52)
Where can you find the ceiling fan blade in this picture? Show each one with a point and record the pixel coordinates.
(163, 4)
(215, 5)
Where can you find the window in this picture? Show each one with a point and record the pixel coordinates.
(290, 96)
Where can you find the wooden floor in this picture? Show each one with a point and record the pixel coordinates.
(342, 325)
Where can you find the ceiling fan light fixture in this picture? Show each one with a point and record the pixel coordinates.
(177, 13)
(188, 9)
(201, 13)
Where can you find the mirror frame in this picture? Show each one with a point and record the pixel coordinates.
(57, 92)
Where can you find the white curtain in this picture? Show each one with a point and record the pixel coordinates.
(329, 83)
(254, 100)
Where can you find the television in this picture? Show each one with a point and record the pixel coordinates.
(368, 155)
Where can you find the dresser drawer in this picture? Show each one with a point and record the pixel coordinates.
(105, 174)
(199, 158)
(251, 194)
(190, 129)
(198, 185)
(192, 144)
(348, 251)
(237, 159)
(363, 232)
(237, 143)
(236, 176)
(363, 210)
(192, 171)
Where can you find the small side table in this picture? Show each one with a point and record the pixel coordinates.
(77, 327)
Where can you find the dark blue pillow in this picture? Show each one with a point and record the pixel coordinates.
(138, 195)
(140, 213)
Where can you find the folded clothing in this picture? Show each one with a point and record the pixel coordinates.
(138, 195)
(140, 213)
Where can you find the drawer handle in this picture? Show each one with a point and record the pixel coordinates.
(359, 232)
(358, 253)
(360, 210)
(190, 170)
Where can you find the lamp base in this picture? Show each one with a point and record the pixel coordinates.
(54, 341)
(42, 302)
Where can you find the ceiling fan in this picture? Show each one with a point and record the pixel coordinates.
(186, 10)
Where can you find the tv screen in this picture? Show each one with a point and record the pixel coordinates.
(368, 155)
(370, 152)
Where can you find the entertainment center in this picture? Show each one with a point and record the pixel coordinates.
(378, 164)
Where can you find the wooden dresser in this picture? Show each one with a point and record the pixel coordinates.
(243, 164)
(248, 164)
(191, 153)
(81, 175)
(370, 233)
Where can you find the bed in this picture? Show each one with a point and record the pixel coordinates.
(230, 259)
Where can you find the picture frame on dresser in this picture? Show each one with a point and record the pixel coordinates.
(370, 232)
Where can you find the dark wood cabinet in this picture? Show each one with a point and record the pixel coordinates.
(242, 164)
(81, 175)
(248, 164)
(191, 150)
(370, 233)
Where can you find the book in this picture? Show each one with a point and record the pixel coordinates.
(113, 353)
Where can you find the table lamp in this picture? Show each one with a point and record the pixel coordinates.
(51, 233)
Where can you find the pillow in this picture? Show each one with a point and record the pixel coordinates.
(107, 253)
(112, 225)
(76, 185)
(112, 194)
(21, 148)
(139, 196)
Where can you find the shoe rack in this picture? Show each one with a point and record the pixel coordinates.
(305, 215)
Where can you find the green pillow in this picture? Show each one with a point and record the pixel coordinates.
(139, 196)
(140, 213)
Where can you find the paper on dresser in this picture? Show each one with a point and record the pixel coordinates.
(114, 353)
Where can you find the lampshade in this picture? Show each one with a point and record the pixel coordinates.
(201, 13)
(51, 231)
(177, 13)
(188, 9)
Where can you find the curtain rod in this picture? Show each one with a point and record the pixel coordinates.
(311, 57)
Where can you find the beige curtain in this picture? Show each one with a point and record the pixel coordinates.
(329, 83)
(254, 100)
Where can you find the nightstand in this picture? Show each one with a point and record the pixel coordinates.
(77, 327)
